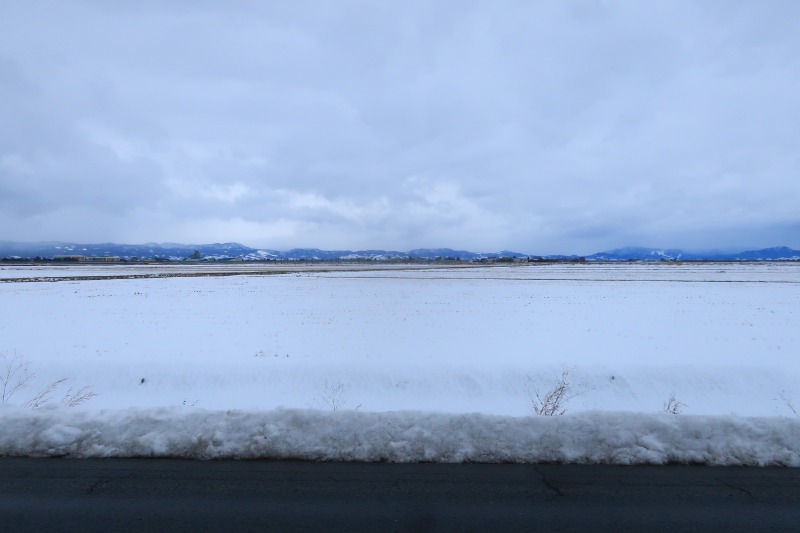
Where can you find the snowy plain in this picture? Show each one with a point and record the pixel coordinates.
(395, 364)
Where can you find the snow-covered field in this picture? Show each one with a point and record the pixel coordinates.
(21, 272)
(171, 358)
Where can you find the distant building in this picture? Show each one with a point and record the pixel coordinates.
(87, 259)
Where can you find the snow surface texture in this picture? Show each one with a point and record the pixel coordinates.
(592, 437)
(399, 345)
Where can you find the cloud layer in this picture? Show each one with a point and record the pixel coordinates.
(543, 127)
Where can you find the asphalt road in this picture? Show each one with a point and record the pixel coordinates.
(178, 495)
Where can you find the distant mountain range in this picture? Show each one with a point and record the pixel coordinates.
(228, 251)
(778, 253)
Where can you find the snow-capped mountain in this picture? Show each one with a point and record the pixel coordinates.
(778, 253)
(632, 253)
(230, 250)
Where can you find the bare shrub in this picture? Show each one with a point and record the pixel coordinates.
(15, 375)
(554, 400)
(672, 406)
(789, 403)
(45, 395)
(73, 399)
(333, 396)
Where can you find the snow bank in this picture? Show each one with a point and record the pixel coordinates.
(593, 437)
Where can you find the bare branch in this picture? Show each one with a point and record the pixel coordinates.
(44, 395)
(14, 375)
(672, 406)
(333, 396)
(83, 394)
(789, 403)
(553, 402)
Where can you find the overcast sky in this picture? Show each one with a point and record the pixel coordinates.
(540, 127)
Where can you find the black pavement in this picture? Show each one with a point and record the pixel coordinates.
(178, 495)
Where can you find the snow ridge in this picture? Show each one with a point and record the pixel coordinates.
(591, 437)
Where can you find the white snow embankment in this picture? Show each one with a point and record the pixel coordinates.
(592, 437)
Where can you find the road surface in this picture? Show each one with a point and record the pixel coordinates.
(178, 495)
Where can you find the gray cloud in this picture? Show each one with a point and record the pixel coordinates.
(542, 127)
